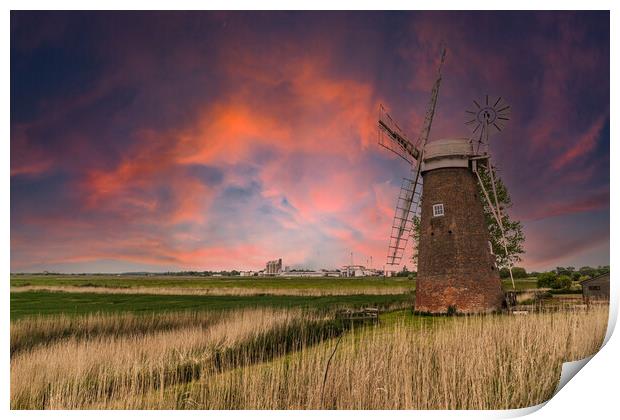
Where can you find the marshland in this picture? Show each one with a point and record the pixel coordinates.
(274, 351)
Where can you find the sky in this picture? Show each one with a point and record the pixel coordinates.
(219, 140)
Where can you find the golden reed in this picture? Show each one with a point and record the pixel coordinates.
(477, 362)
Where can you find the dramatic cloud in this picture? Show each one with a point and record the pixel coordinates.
(221, 140)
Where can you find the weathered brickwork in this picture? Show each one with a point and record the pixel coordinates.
(455, 265)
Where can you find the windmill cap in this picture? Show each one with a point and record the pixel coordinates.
(446, 148)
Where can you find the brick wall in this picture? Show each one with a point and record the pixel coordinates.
(455, 265)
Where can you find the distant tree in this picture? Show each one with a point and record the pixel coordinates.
(404, 272)
(513, 231)
(546, 279)
(504, 273)
(602, 269)
(562, 282)
(552, 280)
(587, 271)
(519, 272)
(564, 271)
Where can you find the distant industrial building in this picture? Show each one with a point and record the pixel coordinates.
(274, 267)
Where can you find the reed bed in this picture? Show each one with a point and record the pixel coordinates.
(276, 360)
(222, 291)
(488, 362)
(81, 370)
(482, 362)
(30, 332)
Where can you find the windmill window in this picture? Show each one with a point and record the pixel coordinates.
(438, 210)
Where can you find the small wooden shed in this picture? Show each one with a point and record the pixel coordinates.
(596, 288)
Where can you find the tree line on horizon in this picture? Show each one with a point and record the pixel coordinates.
(583, 273)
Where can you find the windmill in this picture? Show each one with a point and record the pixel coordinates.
(456, 265)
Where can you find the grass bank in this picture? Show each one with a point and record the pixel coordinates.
(45, 303)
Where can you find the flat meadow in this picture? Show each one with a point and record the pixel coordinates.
(215, 285)
(98, 350)
(219, 286)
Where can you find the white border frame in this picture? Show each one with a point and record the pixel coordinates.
(596, 385)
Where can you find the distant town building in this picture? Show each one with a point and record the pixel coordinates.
(596, 288)
(274, 267)
(247, 273)
(311, 273)
(358, 271)
(303, 273)
(332, 273)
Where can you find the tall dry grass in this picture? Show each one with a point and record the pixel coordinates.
(487, 362)
(82, 370)
(274, 359)
(30, 332)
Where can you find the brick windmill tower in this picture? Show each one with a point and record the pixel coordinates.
(456, 267)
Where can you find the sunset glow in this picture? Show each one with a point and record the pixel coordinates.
(212, 140)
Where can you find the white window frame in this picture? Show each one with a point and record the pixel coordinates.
(438, 210)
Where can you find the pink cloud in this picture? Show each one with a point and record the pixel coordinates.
(591, 202)
(585, 144)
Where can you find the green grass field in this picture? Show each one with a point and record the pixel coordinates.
(520, 284)
(209, 282)
(194, 282)
(48, 303)
(41, 302)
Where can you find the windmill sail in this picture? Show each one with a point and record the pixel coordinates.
(392, 138)
(407, 208)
